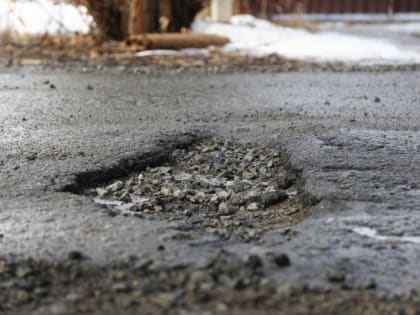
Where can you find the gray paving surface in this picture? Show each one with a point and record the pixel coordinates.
(359, 160)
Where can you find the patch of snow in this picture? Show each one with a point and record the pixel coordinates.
(410, 28)
(156, 52)
(257, 37)
(105, 202)
(119, 205)
(355, 18)
(371, 233)
(43, 16)
(139, 200)
(415, 193)
(164, 52)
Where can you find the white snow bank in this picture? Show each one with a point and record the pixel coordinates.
(256, 37)
(410, 28)
(353, 17)
(43, 16)
(168, 52)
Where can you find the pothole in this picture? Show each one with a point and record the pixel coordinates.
(222, 187)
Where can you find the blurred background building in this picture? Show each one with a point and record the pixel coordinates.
(146, 15)
(269, 8)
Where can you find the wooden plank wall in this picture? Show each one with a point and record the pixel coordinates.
(270, 7)
(143, 15)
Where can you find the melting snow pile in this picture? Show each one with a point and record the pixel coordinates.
(43, 16)
(411, 28)
(257, 37)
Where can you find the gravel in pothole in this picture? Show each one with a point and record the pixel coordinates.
(223, 187)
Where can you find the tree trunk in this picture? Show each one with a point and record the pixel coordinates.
(118, 19)
(110, 17)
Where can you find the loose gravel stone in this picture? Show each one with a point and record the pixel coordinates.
(209, 180)
(22, 296)
(22, 272)
(225, 279)
(102, 193)
(75, 255)
(289, 290)
(252, 207)
(273, 197)
(369, 284)
(115, 186)
(335, 275)
(281, 260)
(122, 287)
(254, 262)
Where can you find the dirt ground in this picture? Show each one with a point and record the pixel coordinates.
(87, 50)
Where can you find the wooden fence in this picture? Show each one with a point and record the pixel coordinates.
(130, 17)
(271, 7)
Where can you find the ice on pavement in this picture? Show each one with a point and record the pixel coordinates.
(258, 37)
(43, 16)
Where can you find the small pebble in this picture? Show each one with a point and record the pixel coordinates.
(281, 260)
(75, 255)
(254, 262)
(335, 275)
(274, 197)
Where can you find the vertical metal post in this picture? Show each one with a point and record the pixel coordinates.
(221, 10)
(264, 8)
(391, 7)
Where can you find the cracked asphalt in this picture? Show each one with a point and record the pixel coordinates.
(353, 138)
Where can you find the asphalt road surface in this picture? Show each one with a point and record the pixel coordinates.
(352, 138)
